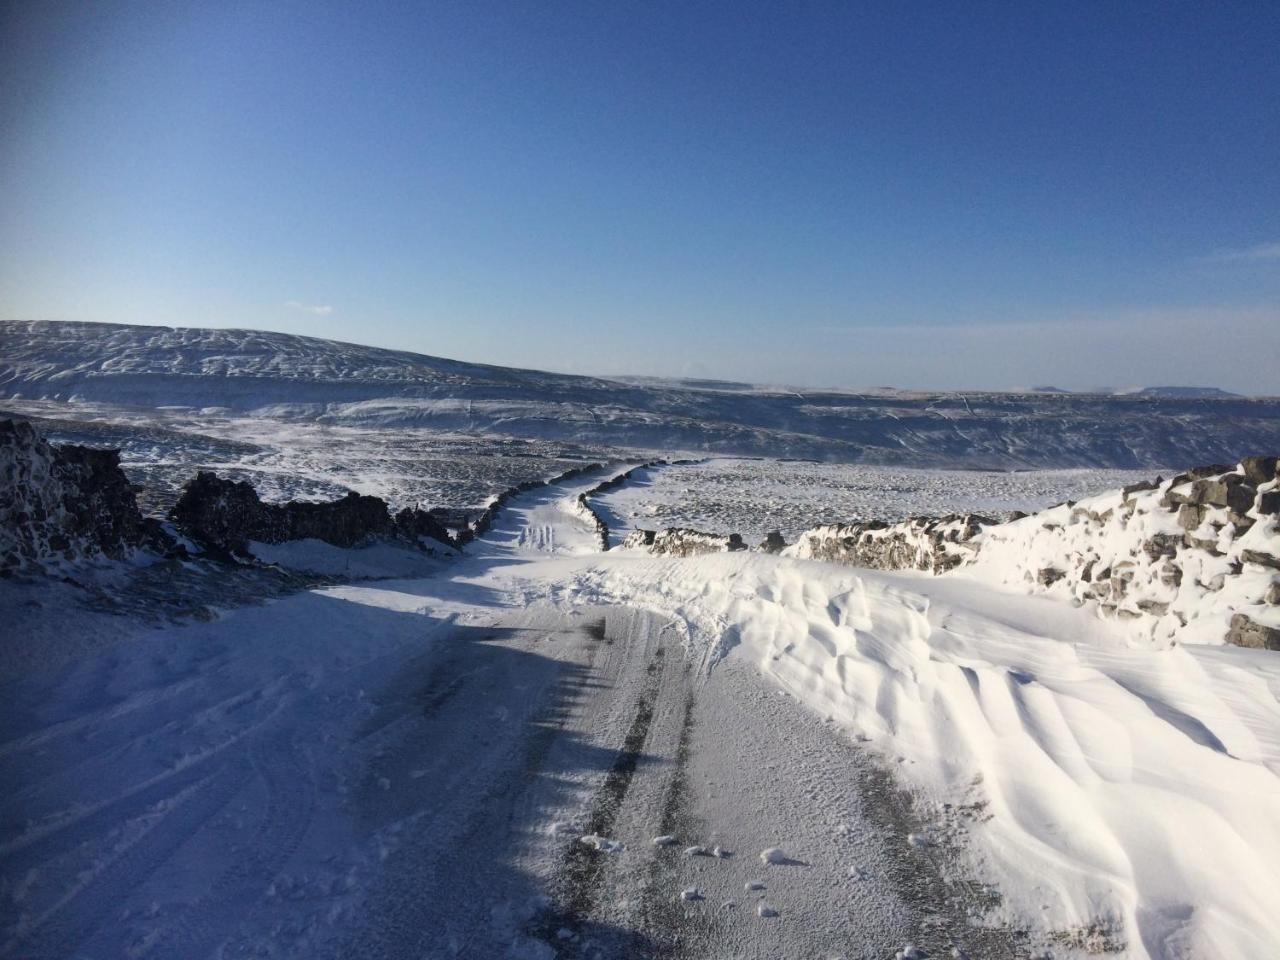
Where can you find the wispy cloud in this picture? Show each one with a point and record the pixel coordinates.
(318, 309)
(1261, 253)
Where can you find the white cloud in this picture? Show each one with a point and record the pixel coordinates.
(1261, 253)
(318, 309)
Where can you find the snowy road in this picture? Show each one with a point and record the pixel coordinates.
(408, 770)
(477, 764)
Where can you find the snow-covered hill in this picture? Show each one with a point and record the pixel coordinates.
(281, 375)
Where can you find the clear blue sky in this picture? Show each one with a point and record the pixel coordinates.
(916, 194)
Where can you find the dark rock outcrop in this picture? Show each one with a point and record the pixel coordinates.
(224, 515)
(65, 504)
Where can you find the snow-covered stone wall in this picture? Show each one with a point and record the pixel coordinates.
(935, 544)
(682, 542)
(1196, 556)
(225, 515)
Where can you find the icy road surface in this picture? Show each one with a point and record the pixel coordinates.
(550, 752)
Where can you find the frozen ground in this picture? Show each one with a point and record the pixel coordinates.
(477, 763)
(753, 496)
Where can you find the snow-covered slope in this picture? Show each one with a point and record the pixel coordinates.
(289, 376)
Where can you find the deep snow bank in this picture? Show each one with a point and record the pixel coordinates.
(1124, 800)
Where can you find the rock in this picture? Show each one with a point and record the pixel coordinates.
(1190, 516)
(1272, 595)
(1198, 473)
(933, 544)
(66, 504)
(1259, 470)
(1241, 521)
(1228, 491)
(1161, 545)
(683, 542)
(1260, 558)
(1268, 504)
(773, 855)
(1048, 576)
(773, 542)
(224, 515)
(1131, 489)
(1153, 607)
(639, 539)
(1245, 632)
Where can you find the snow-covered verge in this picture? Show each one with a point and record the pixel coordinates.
(1123, 800)
(64, 506)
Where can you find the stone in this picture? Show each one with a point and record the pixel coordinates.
(1272, 596)
(66, 504)
(1259, 470)
(773, 542)
(1131, 489)
(1190, 516)
(1260, 558)
(1153, 607)
(224, 515)
(1268, 504)
(1162, 545)
(1048, 576)
(1246, 632)
(1229, 491)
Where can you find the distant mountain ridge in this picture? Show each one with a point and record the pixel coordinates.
(284, 375)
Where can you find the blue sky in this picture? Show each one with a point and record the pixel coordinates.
(916, 194)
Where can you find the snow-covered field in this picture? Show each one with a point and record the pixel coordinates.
(478, 761)
(297, 459)
(753, 496)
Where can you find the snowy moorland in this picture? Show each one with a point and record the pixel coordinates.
(245, 372)
(290, 459)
